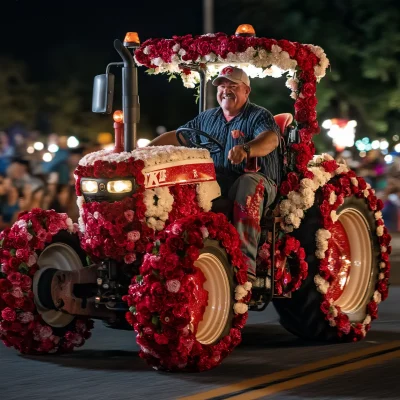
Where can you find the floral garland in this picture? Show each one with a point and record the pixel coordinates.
(291, 269)
(267, 56)
(159, 298)
(158, 204)
(301, 196)
(21, 326)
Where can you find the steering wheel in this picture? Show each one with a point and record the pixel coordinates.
(208, 145)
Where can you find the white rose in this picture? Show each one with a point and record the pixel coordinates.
(334, 216)
(354, 181)
(294, 197)
(379, 230)
(378, 215)
(332, 198)
(240, 292)
(240, 308)
(307, 183)
(248, 286)
(367, 320)
(285, 207)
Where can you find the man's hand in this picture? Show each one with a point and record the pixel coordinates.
(236, 155)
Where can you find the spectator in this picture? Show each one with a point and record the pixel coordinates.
(6, 152)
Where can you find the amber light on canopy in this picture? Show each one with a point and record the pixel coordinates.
(131, 38)
(118, 116)
(245, 30)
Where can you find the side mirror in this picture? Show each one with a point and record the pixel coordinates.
(103, 93)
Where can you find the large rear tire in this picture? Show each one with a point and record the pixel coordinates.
(187, 306)
(39, 241)
(339, 298)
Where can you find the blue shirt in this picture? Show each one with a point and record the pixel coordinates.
(251, 121)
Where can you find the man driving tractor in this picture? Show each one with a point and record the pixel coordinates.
(245, 131)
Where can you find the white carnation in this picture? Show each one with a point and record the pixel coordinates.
(240, 308)
(377, 297)
(240, 292)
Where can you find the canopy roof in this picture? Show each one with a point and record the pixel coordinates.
(259, 57)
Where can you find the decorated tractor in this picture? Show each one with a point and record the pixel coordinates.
(152, 254)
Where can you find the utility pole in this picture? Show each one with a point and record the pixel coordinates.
(208, 27)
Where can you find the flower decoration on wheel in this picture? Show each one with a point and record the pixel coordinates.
(169, 303)
(21, 326)
(291, 269)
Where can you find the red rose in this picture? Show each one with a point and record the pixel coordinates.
(160, 338)
(285, 188)
(305, 115)
(302, 160)
(372, 309)
(293, 180)
(203, 47)
(8, 314)
(240, 320)
(307, 76)
(308, 174)
(330, 166)
(309, 89)
(287, 46)
(383, 289)
(311, 102)
(5, 285)
(343, 323)
(305, 135)
(193, 253)
(325, 307)
(21, 242)
(361, 183)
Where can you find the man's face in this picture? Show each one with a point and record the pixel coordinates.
(232, 96)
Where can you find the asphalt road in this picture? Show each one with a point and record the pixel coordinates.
(108, 366)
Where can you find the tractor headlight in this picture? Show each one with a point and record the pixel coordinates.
(89, 187)
(119, 186)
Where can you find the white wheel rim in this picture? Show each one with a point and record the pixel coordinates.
(219, 304)
(356, 293)
(61, 257)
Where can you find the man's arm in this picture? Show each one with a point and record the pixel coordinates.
(263, 144)
(164, 139)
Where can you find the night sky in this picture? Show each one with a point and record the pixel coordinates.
(61, 39)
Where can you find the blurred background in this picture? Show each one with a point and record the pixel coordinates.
(51, 51)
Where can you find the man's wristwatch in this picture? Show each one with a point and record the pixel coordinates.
(246, 148)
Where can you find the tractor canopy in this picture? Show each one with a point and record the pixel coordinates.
(190, 57)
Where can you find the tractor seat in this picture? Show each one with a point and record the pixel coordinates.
(283, 121)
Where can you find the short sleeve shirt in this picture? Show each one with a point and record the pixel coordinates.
(251, 121)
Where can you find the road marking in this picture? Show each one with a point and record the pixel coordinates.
(233, 389)
(314, 377)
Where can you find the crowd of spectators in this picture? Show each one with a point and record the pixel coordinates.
(384, 177)
(26, 181)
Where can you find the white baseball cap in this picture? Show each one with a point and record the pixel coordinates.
(233, 74)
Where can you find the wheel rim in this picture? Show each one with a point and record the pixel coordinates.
(61, 257)
(215, 316)
(351, 289)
